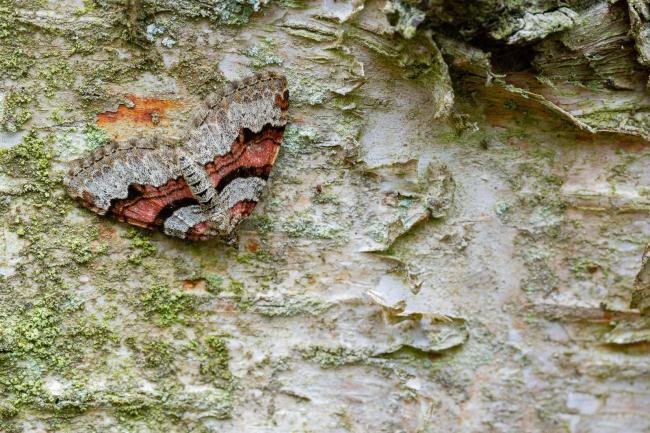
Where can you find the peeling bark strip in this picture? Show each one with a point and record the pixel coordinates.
(203, 189)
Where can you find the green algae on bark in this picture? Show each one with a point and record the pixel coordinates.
(165, 305)
(48, 329)
(141, 246)
(15, 110)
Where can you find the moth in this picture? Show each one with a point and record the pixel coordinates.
(205, 186)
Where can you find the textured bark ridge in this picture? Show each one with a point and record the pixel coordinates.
(204, 188)
(586, 63)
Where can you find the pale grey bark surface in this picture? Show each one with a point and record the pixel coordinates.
(452, 238)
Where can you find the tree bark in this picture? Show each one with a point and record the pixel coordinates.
(452, 238)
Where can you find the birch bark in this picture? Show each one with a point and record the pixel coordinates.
(452, 238)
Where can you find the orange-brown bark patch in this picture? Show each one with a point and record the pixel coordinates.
(197, 284)
(151, 111)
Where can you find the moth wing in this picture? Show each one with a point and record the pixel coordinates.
(239, 136)
(130, 180)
